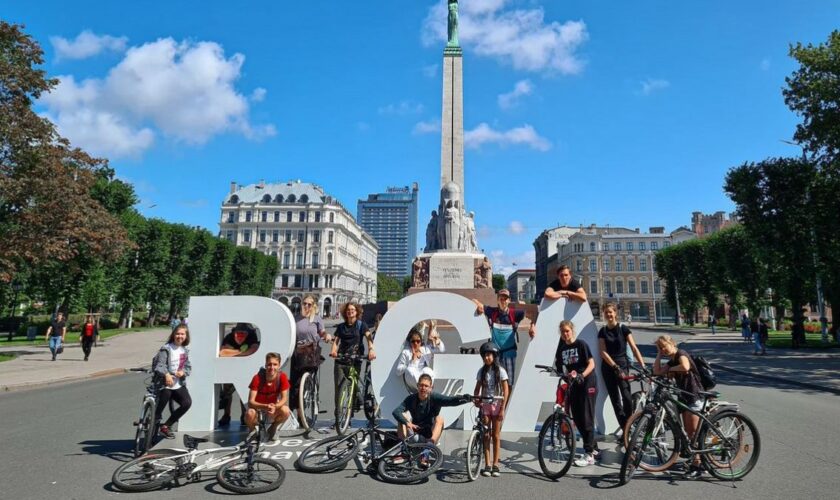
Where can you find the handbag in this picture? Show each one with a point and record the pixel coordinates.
(60, 349)
(308, 355)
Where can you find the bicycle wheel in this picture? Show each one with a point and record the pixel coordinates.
(635, 450)
(556, 445)
(307, 401)
(415, 462)
(475, 454)
(345, 406)
(328, 454)
(736, 445)
(664, 448)
(148, 472)
(145, 429)
(259, 476)
(371, 407)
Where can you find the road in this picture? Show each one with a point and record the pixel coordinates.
(65, 441)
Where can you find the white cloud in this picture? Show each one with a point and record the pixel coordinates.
(511, 99)
(516, 228)
(86, 44)
(652, 85)
(765, 64)
(406, 107)
(431, 70)
(426, 127)
(520, 37)
(258, 95)
(484, 134)
(183, 91)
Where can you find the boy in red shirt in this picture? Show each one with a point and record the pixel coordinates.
(270, 394)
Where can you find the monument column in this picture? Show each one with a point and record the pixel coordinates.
(452, 116)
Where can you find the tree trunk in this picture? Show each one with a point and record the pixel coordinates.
(123, 323)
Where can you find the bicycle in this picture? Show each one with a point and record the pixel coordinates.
(402, 463)
(556, 443)
(347, 394)
(475, 443)
(726, 439)
(146, 424)
(308, 394)
(240, 469)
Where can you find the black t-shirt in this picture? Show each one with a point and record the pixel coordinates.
(574, 356)
(615, 340)
(687, 381)
(574, 286)
(351, 337)
(57, 328)
(250, 339)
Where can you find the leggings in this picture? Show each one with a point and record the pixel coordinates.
(180, 396)
(87, 345)
(619, 391)
(583, 411)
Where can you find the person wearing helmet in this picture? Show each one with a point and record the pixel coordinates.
(492, 380)
(419, 413)
(504, 321)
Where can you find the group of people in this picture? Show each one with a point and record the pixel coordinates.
(57, 333)
(755, 331)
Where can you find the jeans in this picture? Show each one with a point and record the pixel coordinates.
(55, 343)
(757, 342)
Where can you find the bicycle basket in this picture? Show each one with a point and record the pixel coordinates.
(308, 355)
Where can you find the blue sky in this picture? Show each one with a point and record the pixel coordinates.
(576, 112)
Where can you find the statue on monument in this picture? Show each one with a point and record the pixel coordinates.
(449, 231)
(419, 273)
(471, 242)
(431, 233)
(452, 25)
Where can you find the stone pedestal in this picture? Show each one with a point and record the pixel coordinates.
(449, 270)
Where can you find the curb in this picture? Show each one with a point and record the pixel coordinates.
(38, 385)
(805, 385)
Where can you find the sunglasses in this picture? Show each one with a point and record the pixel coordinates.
(416, 341)
(308, 304)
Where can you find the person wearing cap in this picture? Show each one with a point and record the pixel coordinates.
(504, 321)
(241, 341)
(419, 413)
(565, 287)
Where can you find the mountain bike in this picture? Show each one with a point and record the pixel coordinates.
(726, 440)
(475, 443)
(308, 393)
(146, 424)
(348, 393)
(239, 468)
(398, 461)
(556, 442)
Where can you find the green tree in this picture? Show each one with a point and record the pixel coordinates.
(739, 271)
(388, 288)
(499, 282)
(218, 278)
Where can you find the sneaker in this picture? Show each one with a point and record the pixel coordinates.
(272, 430)
(495, 471)
(224, 421)
(596, 454)
(619, 434)
(165, 432)
(694, 472)
(486, 472)
(86, 358)
(585, 460)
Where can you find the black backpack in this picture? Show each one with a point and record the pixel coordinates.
(704, 370)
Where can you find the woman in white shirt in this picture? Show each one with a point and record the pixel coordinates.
(418, 355)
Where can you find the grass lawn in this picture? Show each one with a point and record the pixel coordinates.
(814, 340)
(6, 357)
(70, 338)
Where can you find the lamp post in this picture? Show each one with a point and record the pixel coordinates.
(652, 291)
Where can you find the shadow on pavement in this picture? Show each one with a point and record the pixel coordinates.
(119, 450)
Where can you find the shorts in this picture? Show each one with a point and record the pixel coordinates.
(491, 409)
(509, 364)
(697, 405)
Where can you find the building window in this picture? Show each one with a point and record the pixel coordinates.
(657, 287)
(284, 281)
(607, 265)
(276, 216)
(616, 246)
(275, 236)
(642, 264)
(316, 236)
(332, 217)
(329, 261)
(316, 281)
(654, 245)
(591, 246)
(231, 215)
(274, 254)
(643, 285)
(317, 216)
(619, 286)
(248, 216)
(301, 235)
(666, 244)
(288, 216)
(262, 236)
(578, 265)
(315, 262)
(593, 266)
(631, 264)
(264, 217)
(607, 287)
(631, 287)
(230, 236)
(642, 246)
(593, 287)
(299, 260)
(628, 246)
(287, 260)
(298, 281)
(302, 217)
(618, 265)
(605, 246)
(288, 236)
(246, 236)
(329, 237)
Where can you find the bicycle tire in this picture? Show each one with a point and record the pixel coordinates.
(345, 406)
(635, 450)
(145, 429)
(239, 476)
(411, 468)
(369, 403)
(307, 401)
(145, 479)
(556, 445)
(723, 465)
(665, 440)
(475, 454)
(328, 454)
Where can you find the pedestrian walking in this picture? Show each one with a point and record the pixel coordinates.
(88, 335)
(746, 333)
(56, 333)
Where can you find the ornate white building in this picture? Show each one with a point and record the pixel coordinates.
(321, 249)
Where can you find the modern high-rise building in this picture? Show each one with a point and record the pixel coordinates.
(391, 218)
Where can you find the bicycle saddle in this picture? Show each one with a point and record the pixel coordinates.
(192, 443)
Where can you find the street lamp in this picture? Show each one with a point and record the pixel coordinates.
(652, 290)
